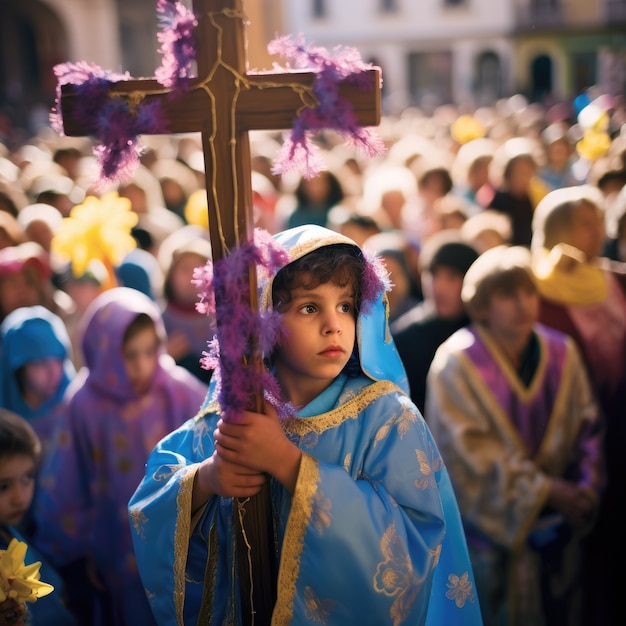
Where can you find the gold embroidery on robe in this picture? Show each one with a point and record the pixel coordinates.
(317, 610)
(460, 589)
(394, 575)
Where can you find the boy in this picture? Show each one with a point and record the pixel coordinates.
(20, 451)
(366, 522)
(35, 368)
(510, 405)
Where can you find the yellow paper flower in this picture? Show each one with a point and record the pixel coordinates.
(466, 128)
(19, 581)
(594, 144)
(196, 209)
(99, 228)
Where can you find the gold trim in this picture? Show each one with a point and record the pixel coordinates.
(350, 410)
(299, 519)
(181, 540)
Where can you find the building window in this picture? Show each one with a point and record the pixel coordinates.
(319, 8)
(430, 78)
(388, 6)
(584, 68)
(541, 72)
(488, 78)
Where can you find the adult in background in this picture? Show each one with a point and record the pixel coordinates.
(584, 295)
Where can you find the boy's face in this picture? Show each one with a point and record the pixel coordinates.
(445, 289)
(141, 358)
(320, 326)
(181, 274)
(42, 378)
(17, 487)
(511, 315)
(587, 231)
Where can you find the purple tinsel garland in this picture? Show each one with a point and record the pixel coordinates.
(332, 112)
(224, 292)
(177, 44)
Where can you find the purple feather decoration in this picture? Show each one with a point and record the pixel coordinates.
(114, 123)
(332, 111)
(375, 281)
(177, 44)
(224, 289)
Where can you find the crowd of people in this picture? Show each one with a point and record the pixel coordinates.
(503, 231)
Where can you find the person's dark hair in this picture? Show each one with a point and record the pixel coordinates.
(442, 173)
(17, 437)
(141, 322)
(340, 264)
(335, 193)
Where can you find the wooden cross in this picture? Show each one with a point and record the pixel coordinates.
(223, 103)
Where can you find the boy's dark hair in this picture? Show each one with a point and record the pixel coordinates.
(141, 322)
(17, 437)
(340, 264)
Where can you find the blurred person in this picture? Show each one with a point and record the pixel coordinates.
(188, 331)
(140, 269)
(35, 368)
(487, 229)
(584, 295)
(128, 396)
(147, 201)
(11, 231)
(26, 280)
(313, 198)
(444, 259)
(470, 172)
(391, 247)
(20, 455)
(519, 191)
(353, 224)
(512, 409)
(558, 169)
(40, 222)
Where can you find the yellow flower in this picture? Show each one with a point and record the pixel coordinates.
(466, 128)
(594, 144)
(99, 228)
(19, 581)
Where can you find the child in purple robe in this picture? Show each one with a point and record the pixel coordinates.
(129, 396)
(510, 405)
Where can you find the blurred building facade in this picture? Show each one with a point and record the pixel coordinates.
(466, 52)
(475, 51)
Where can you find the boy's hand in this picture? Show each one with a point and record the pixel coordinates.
(219, 477)
(12, 613)
(259, 443)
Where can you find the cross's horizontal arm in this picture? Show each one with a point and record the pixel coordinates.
(190, 111)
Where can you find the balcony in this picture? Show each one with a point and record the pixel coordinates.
(540, 14)
(614, 11)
